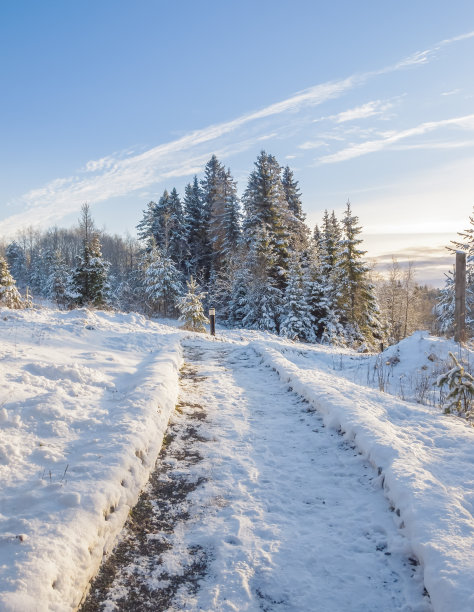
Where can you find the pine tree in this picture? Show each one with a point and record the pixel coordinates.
(329, 256)
(461, 389)
(162, 282)
(316, 298)
(267, 210)
(213, 194)
(88, 283)
(17, 262)
(178, 248)
(298, 230)
(161, 225)
(239, 303)
(145, 226)
(231, 220)
(358, 305)
(191, 308)
(39, 271)
(444, 309)
(57, 281)
(196, 228)
(89, 279)
(9, 295)
(466, 244)
(357, 302)
(263, 296)
(297, 320)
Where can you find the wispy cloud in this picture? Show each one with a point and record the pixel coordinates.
(372, 146)
(452, 92)
(118, 175)
(374, 108)
(450, 144)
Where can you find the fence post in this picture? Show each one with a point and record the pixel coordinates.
(212, 320)
(460, 298)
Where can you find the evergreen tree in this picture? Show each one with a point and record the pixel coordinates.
(298, 230)
(145, 227)
(162, 282)
(57, 281)
(178, 248)
(9, 295)
(231, 220)
(17, 262)
(329, 259)
(213, 194)
(466, 244)
(444, 309)
(358, 306)
(191, 308)
(445, 306)
(196, 227)
(39, 271)
(263, 300)
(297, 320)
(88, 283)
(315, 296)
(461, 389)
(267, 210)
(89, 278)
(239, 305)
(161, 225)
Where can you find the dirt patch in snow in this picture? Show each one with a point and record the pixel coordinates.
(134, 576)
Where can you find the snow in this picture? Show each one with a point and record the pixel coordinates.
(293, 517)
(86, 398)
(424, 457)
(298, 512)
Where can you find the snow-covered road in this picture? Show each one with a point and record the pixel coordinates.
(288, 513)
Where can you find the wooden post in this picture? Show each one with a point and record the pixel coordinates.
(460, 298)
(212, 320)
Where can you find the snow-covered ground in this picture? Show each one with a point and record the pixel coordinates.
(86, 399)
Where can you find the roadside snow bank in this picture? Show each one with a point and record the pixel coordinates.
(425, 461)
(85, 399)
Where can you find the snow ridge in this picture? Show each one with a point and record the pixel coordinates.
(413, 447)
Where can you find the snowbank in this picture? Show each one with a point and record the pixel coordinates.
(425, 460)
(85, 400)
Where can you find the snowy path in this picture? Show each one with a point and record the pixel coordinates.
(284, 514)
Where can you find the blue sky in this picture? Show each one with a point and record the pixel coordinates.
(110, 102)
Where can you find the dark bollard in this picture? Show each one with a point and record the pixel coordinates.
(212, 320)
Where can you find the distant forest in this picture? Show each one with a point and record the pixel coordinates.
(255, 260)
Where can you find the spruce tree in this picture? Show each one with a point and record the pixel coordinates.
(358, 306)
(298, 230)
(461, 389)
(444, 309)
(239, 300)
(329, 258)
(9, 295)
(162, 282)
(231, 220)
(17, 263)
(88, 284)
(89, 278)
(263, 300)
(178, 248)
(296, 320)
(213, 194)
(57, 280)
(196, 228)
(266, 210)
(191, 308)
(161, 224)
(145, 226)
